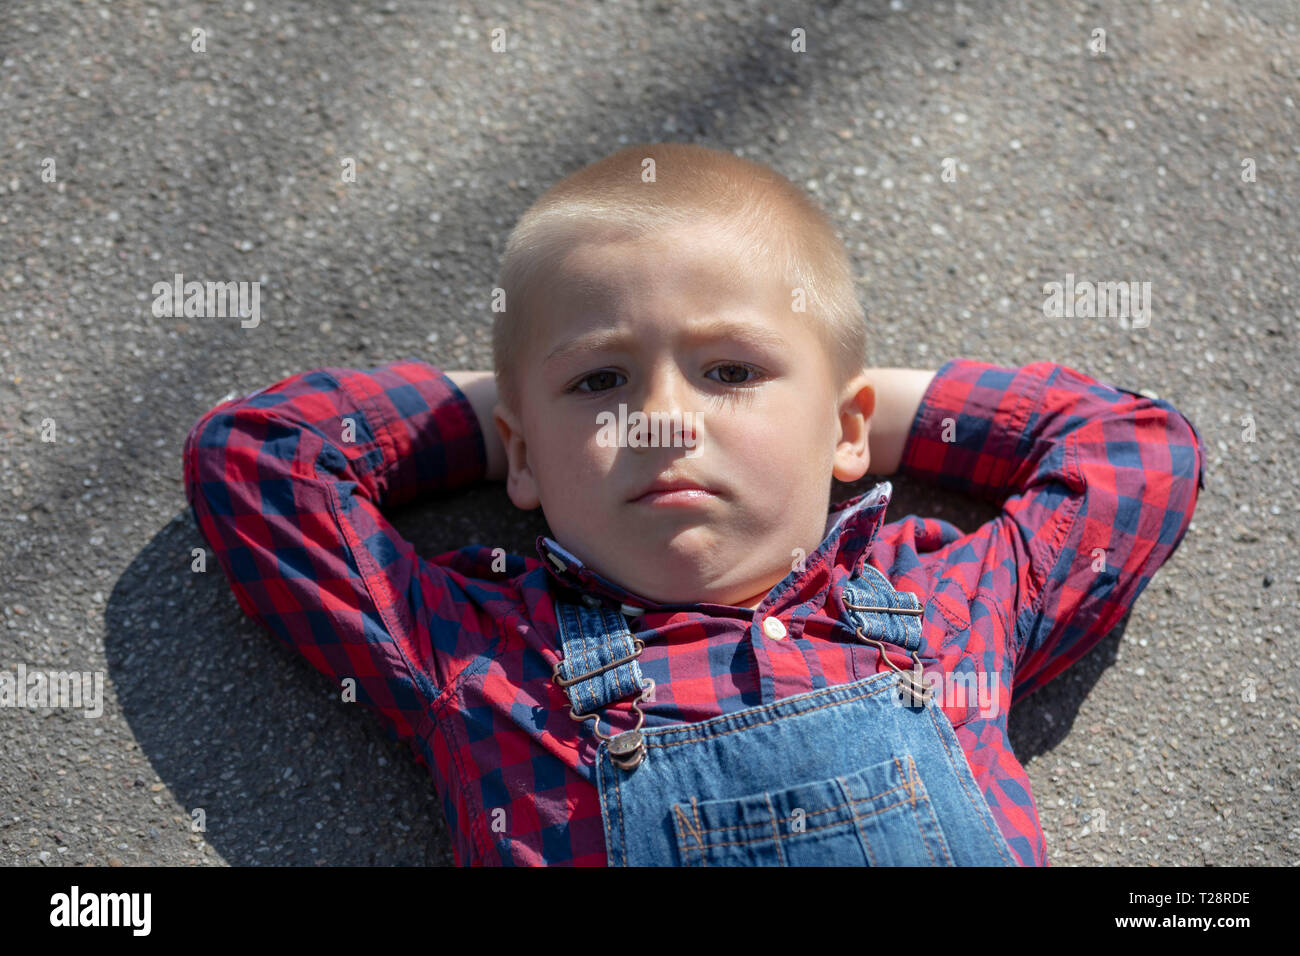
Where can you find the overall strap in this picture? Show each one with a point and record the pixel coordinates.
(600, 656)
(881, 613)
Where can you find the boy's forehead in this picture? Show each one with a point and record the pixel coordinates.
(701, 280)
(610, 273)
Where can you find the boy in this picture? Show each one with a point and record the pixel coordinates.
(705, 664)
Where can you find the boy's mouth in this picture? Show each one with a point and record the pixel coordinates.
(673, 491)
(682, 496)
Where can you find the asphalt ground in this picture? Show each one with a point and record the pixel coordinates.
(1173, 743)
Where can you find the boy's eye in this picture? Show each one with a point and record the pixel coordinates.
(732, 374)
(603, 376)
(731, 371)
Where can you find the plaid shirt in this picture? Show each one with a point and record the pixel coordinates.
(454, 652)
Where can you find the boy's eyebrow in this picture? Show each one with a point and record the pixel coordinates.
(703, 332)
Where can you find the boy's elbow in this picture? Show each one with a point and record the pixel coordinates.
(1173, 452)
(1179, 486)
(1186, 452)
(205, 449)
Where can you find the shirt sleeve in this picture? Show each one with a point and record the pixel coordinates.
(1097, 486)
(287, 485)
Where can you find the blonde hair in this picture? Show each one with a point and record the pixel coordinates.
(692, 185)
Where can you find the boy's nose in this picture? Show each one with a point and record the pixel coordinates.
(664, 392)
(668, 404)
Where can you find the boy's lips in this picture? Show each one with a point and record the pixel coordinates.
(674, 490)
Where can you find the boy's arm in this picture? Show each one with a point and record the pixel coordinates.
(287, 485)
(1097, 486)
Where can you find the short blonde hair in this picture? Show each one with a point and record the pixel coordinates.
(692, 185)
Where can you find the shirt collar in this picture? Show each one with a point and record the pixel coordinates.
(852, 525)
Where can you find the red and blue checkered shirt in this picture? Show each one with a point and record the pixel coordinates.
(455, 652)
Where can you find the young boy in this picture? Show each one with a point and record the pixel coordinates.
(705, 664)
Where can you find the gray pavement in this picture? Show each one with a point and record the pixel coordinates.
(1116, 165)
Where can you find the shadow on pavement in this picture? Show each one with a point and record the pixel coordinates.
(239, 726)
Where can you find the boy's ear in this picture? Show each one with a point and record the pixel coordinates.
(852, 450)
(520, 484)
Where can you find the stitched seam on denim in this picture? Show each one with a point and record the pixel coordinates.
(852, 820)
(776, 830)
(579, 688)
(622, 817)
(852, 808)
(866, 841)
(625, 676)
(864, 844)
(853, 817)
(819, 692)
(940, 840)
(582, 689)
(570, 621)
(609, 636)
(618, 794)
(912, 781)
(683, 851)
(997, 838)
(682, 847)
(750, 826)
(606, 640)
(761, 723)
(913, 785)
(604, 809)
(902, 774)
(685, 828)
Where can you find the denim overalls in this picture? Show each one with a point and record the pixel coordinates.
(868, 773)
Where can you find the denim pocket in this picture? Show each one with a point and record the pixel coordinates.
(878, 816)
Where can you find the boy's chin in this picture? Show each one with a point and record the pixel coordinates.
(694, 589)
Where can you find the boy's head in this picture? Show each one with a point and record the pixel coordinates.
(711, 295)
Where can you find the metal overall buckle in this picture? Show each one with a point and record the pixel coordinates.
(627, 749)
(916, 693)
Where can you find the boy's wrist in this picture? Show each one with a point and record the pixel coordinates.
(480, 389)
(898, 397)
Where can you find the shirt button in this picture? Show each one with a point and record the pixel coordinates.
(773, 628)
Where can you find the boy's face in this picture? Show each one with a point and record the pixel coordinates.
(659, 326)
